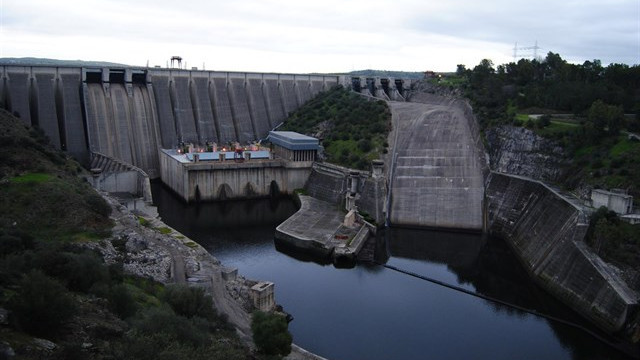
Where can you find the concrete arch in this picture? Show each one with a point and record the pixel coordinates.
(250, 190)
(274, 189)
(224, 192)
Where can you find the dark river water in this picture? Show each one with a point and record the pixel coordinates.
(371, 312)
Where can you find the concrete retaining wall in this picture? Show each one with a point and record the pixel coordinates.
(372, 198)
(209, 181)
(327, 183)
(546, 231)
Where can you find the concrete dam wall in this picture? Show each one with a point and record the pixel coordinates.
(130, 113)
(546, 230)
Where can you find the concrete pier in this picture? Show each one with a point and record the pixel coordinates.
(318, 229)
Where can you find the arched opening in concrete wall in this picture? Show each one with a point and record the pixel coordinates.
(139, 78)
(385, 86)
(371, 85)
(224, 192)
(197, 194)
(355, 84)
(274, 189)
(399, 86)
(116, 76)
(93, 77)
(250, 190)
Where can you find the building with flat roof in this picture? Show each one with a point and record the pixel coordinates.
(616, 200)
(293, 146)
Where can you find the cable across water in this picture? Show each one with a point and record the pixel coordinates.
(619, 346)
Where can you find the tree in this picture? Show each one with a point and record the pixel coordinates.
(42, 304)
(605, 120)
(189, 301)
(270, 333)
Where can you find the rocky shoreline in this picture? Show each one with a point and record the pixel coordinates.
(149, 248)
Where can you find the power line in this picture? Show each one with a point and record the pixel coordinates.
(535, 49)
(631, 351)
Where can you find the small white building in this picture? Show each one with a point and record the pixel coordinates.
(615, 200)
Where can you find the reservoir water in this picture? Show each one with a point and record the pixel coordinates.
(371, 312)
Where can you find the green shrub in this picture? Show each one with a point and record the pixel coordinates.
(189, 301)
(164, 322)
(41, 305)
(270, 333)
(98, 204)
(121, 301)
(14, 242)
(144, 222)
(78, 271)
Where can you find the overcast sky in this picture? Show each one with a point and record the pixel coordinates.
(320, 36)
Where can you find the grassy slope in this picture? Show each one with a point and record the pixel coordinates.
(40, 192)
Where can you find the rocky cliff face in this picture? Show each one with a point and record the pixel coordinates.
(519, 151)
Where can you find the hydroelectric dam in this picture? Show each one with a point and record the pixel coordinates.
(436, 175)
(130, 113)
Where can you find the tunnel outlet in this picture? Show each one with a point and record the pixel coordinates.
(355, 84)
(385, 86)
(399, 86)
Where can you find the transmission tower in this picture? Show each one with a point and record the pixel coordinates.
(535, 49)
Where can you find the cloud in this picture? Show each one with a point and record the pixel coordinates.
(332, 35)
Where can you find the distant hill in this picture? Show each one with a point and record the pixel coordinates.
(29, 61)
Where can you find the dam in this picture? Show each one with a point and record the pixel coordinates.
(131, 113)
(436, 176)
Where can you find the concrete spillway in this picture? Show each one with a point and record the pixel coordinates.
(273, 99)
(45, 107)
(130, 113)
(165, 120)
(258, 107)
(203, 111)
(183, 109)
(226, 128)
(437, 176)
(241, 112)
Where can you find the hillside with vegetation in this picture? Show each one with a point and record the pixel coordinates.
(352, 129)
(589, 111)
(60, 300)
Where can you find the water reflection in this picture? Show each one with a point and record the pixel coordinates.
(487, 266)
(370, 312)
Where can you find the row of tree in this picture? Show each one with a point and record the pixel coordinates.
(553, 83)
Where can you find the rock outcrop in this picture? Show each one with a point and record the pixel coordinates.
(519, 151)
